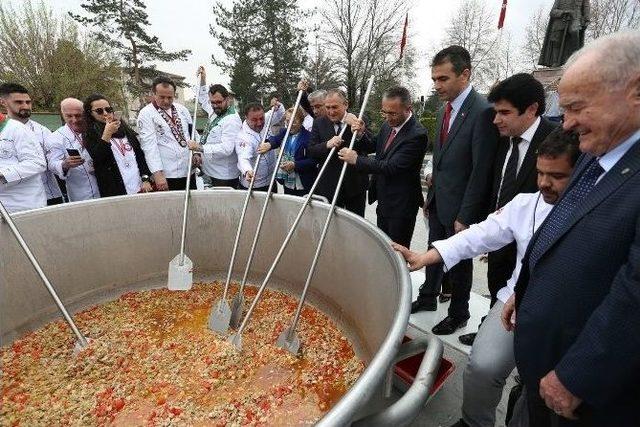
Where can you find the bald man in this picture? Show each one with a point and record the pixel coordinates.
(67, 156)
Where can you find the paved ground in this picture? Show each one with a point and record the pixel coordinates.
(444, 408)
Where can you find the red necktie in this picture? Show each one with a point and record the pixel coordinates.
(390, 139)
(444, 132)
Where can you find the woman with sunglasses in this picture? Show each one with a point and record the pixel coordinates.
(118, 160)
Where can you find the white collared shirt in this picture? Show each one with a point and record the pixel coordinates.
(161, 149)
(608, 160)
(219, 158)
(517, 220)
(456, 104)
(247, 146)
(51, 187)
(398, 128)
(21, 163)
(81, 180)
(127, 164)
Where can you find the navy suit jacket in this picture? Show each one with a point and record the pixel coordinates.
(395, 180)
(578, 306)
(463, 164)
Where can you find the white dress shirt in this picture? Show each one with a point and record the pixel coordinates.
(456, 104)
(219, 158)
(127, 164)
(21, 163)
(246, 147)
(81, 180)
(609, 160)
(517, 220)
(51, 187)
(161, 149)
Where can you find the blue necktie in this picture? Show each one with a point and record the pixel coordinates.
(559, 216)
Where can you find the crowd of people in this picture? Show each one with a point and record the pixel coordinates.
(554, 203)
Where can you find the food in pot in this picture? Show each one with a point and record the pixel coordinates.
(153, 361)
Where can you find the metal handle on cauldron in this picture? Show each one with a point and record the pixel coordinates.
(82, 341)
(221, 313)
(406, 409)
(238, 300)
(319, 198)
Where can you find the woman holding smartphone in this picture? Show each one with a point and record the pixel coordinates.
(118, 160)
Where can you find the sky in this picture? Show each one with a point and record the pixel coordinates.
(185, 25)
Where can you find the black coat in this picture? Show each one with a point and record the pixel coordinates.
(355, 182)
(463, 164)
(108, 175)
(395, 181)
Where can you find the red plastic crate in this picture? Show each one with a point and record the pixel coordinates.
(406, 370)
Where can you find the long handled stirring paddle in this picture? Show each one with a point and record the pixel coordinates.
(236, 339)
(238, 300)
(221, 313)
(289, 339)
(81, 342)
(180, 276)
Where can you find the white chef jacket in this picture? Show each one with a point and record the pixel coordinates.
(247, 149)
(127, 164)
(161, 149)
(51, 187)
(81, 180)
(21, 163)
(219, 158)
(517, 220)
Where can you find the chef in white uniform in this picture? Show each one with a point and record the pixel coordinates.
(21, 163)
(17, 101)
(67, 156)
(492, 359)
(163, 130)
(218, 141)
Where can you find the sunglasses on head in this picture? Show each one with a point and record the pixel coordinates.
(100, 111)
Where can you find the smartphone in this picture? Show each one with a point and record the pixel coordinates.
(73, 152)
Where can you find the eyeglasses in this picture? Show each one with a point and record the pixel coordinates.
(100, 111)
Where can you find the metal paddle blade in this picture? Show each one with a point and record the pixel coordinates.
(292, 346)
(220, 317)
(236, 341)
(180, 276)
(237, 304)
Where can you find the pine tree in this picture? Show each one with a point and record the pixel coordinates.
(123, 25)
(262, 44)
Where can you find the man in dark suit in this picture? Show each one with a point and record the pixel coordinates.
(519, 102)
(324, 137)
(395, 181)
(577, 328)
(462, 168)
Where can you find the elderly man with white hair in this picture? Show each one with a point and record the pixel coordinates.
(577, 300)
(67, 155)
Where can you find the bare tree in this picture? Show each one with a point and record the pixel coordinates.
(609, 16)
(534, 37)
(363, 38)
(473, 27)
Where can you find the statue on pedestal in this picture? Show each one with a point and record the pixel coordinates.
(568, 22)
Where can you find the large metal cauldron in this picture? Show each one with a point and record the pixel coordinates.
(96, 250)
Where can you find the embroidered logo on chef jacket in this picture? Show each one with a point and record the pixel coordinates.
(7, 150)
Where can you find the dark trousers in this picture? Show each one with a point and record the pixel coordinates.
(500, 267)
(355, 204)
(293, 192)
(233, 183)
(176, 184)
(55, 201)
(460, 276)
(263, 189)
(399, 230)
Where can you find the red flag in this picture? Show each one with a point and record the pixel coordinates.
(503, 12)
(403, 42)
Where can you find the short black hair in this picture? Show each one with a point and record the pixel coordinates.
(218, 88)
(162, 80)
(7, 89)
(399, 92)
(457, 55)
(560, 142)
(252, 106)
(522, 90)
